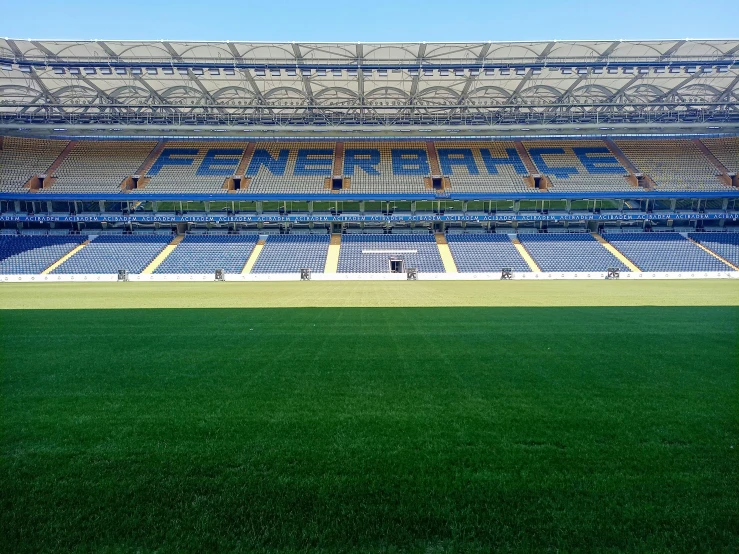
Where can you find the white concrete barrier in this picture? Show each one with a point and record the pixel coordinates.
(209, 277)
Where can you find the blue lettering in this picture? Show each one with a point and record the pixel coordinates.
(165, 158)
(314, 162)
(366, 159)
(537, 155)
(276, 166)
(449, 157)
(212, 166)
(410, 162)
(491, 164)
(602, 163)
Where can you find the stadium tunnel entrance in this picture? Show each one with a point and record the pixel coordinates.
(397, 265)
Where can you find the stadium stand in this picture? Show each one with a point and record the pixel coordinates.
(386, 167)
(725, 245)
(32, 254)
(480, 253)
(673, 164)
(371, 253)
(21, 159)
(194, 167)
(106, 254)
(664, 252)
(290, 167)
(477, 166)
(726, 151)
(100, 166)
(574, 166)
(291, 253)
(206, 253)
(575, 252)
(373, 167)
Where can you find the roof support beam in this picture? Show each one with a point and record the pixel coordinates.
(416, 78)
(247, 76)
(307, 89)
(472, 78)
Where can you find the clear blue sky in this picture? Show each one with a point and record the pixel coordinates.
(372, 20)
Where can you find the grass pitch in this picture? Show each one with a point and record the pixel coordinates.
(369, 429)
(369, 294)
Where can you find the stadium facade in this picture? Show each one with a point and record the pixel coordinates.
(551, 157)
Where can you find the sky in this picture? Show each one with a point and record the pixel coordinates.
(370, 21)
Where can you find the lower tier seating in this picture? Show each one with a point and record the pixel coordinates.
(725, 245)
(664, 252)
(33, 254)
(107, 254)
(372, 253)
(569, 252)
(206, 253)
(291, 253)
(485, 253)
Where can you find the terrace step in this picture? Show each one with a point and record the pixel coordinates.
(446, 254)
(613, 250)
(525, 255)
(253, 256)
(156, 262)
(712, 253)
(332, 258)
(64, 258)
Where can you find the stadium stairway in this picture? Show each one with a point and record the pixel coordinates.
(127, 183)
(722, 171)
(332, 258)
(64, 258)
(525, 255)
(446, 255)
(613, 250)
(545, 183)
(254, 256)
(624, 161)
(712, 253)
(240, 172)
(49, 180)
(156, 262)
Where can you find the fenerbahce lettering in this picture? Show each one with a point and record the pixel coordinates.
(400, 161)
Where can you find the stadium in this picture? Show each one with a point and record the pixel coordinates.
(434, 297)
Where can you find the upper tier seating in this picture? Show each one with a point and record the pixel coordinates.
(482, 253)
(290, 167)
(32, 254)
(725, 245)
(206, 253)
(100, 166)
(180, 167)
(477, 166)
(673, 164)
(664, 252)
(291, 253)
(109, 253)
(372, 253)
(374, 169)
(726, 151)
(578, 165)
(569, 252)
(21, 159)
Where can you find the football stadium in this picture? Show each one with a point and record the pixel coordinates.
(369, 297)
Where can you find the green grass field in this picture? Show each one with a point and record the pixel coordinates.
(425, 429)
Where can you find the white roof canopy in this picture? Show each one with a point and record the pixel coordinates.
(340, 85)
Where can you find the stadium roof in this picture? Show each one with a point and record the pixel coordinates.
(662, 86)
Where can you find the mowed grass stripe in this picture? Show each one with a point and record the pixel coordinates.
(369, 294)
(456, 429)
